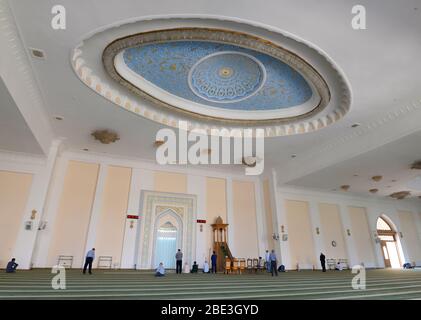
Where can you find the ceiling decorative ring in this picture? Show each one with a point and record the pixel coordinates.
(214, 78)
(227, 76)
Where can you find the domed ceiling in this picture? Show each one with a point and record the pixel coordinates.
(215, 78)
(218, 75)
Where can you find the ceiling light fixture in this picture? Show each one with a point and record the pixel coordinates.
(376, 178)
(58, 118)
(373, 190)
(105, 136)
(345, 187)
(355, 125)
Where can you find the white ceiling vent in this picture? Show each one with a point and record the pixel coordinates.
(37, 53)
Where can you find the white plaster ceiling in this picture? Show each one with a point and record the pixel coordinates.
(392, 161)
(381, 63)
(15, 134)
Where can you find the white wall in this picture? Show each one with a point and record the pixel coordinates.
(401, 213)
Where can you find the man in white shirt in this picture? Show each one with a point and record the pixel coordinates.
(160, 271)
(206, 267)
(90, 256)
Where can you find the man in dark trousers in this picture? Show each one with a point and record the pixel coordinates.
(11, 266)
(273, 262)
(178, 260)
(90, 256)
(323, 261)
(213, 260)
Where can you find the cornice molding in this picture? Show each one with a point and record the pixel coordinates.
(153, 166)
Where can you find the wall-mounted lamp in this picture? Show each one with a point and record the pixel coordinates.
(201, 228)
(282, 229)
(348, 232)
(131, 224)
(275, 236)
(33, 214)
(318, 230)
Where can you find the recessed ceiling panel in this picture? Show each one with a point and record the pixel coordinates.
(214, 74)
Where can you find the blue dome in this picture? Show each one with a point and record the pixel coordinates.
(219, 75)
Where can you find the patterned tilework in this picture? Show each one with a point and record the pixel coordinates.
(228, 81)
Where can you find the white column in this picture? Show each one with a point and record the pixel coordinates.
(197, 185)
(50, 213)
(96, 208)
(146, 178)
(317, 238)
(26, 239)
(350, 245)
(230, 216)
(372, 214)
(279, 218)
(129, 242)
(260, 220)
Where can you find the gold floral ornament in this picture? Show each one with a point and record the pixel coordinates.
(400, 195)
(159, 143)
(377, 178)
(345, 187)
(33, 214)
(416, 165)
(373, 190)
(250, 161)
(105, 136)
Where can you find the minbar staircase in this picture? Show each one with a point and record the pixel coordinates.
(220, 245)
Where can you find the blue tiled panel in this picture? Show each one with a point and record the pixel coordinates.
(226, 81)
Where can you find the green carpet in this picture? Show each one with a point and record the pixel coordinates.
(122, 284)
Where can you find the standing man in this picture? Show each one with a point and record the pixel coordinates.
(267, 258)
(90, 256)
(273, 265)
(213, 260)
(11, 266)
(178, 260)
(323, 261)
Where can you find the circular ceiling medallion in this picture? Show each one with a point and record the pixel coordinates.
(214, 74)
(226, 77)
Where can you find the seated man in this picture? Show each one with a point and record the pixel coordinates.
(11, 266)
(206, 267)
(160, 271)
(195, 268)
(407, 266)
(339, 266)
(260, 264)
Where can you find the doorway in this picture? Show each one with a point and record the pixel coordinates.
(387, 237)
